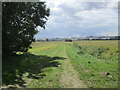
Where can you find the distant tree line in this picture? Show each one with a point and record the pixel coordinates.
(80, 38)
(68, 40)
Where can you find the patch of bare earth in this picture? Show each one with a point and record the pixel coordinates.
(69, 76)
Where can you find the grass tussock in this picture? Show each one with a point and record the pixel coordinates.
(97, 65)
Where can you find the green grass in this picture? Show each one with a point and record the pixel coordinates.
(96, 72)
(38, 70)
(31, 68)
(96, 62)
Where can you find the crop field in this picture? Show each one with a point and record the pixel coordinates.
(77, 64)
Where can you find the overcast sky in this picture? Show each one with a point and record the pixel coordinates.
(77, 18)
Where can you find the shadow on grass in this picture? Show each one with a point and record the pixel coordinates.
(15, 67)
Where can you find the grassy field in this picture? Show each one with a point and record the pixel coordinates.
(97, 62)
(80, 64)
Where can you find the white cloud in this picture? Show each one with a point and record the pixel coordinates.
(71, 17)
(112, 33)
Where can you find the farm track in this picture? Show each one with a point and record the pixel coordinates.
(69, 76)
(60, 65)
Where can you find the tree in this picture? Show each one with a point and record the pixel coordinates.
(68, 40)
(19, 23)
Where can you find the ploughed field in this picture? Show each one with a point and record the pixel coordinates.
(78, 64)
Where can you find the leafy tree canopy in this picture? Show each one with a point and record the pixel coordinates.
(19, 22)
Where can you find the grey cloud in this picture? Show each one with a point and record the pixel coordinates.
(64, 22)
(94, 5)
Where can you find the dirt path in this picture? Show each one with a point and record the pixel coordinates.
(69, 76)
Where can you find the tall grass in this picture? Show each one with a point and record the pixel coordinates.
(97, 63)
